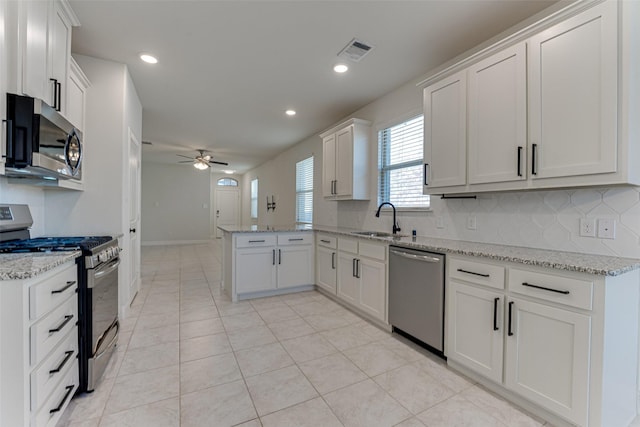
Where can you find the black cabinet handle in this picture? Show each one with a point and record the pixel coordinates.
(64, 400)
(425, 174)
(471, 272)
(256, 241)
(495, 313)
(55, 94)
(273, 257)
(296, 240)
(61, 290)
(357, 268)
(66, 320)
(279, 256)
(353, 267)
(519, 161)
(510, 310)
(534, 159)
(64, 362)
(545, 289)
(333, 260)
(59, 87)
(325, 241)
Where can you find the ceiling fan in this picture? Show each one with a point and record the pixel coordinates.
(201, 161)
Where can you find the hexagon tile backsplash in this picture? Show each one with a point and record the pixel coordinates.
(541, 219)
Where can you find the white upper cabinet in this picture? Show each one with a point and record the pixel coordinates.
(498, 117)
(573, 95)
(445, 132)
(345, 157)
(4, 86)
(552, 106)
(59, 55)
(77, 85)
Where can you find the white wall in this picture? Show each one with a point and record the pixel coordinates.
(26, 195)
(175, 204)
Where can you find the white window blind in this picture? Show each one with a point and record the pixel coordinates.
(304, 191)
(254, 198)
(400, 165)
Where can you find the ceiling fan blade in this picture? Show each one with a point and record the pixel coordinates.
(219, 163)
(185, 161)
(186, 157)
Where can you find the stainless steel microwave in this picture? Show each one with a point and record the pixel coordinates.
(40, 141)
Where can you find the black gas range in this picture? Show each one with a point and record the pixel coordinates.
(97, 286)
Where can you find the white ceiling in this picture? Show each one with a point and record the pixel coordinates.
(229, 69)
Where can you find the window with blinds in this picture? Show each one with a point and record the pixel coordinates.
(400, 165)
(254, 198)
(304, 191)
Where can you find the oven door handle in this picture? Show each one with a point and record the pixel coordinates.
(115, 324)
(114, 265)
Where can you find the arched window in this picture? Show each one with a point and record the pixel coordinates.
(227, 182)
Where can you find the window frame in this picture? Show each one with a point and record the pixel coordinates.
(253, 199)
(309, 190)
(385, 126)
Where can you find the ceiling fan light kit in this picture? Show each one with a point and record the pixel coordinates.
(201, 162)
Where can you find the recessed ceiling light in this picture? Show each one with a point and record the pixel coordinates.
(229, 172)
(340, 68)
(290, 112)
(149, 59)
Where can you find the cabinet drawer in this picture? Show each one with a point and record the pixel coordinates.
(50, 330)
(58, 400)
(46, 295)
(477, 272)
(563, 290)
(295, 239)
(255, 240)
(55, 366)
(372, 250)
(327, 241)
(348, 245)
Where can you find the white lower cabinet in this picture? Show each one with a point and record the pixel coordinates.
(557, 342)
(39, 338)
(273, 262)
(362, 276)
(476, 329)
(326, 263)
(547, 357)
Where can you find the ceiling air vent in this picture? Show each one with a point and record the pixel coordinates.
(355, 50)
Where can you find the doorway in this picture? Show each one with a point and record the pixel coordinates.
(227, 208)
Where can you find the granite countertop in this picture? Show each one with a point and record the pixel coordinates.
(266, 228)
(571, 261)
(28, 265)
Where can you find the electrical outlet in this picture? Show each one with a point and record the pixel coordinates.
(607, 228)
(588, 227)
(471, 222)
(439, 222)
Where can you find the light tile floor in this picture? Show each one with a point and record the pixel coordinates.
(188, 356)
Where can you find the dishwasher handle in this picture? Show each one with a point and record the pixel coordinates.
(425, 258)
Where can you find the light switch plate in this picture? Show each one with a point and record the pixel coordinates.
(588, 227)
(471, 222)
(607, 228)
(439, 222)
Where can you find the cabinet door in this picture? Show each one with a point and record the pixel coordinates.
(547, 357)
(498, 117)
(373, 287)
(573, 95)
(295, 266)
(475, 329)
(348, 284)
(328, 165)
(255, 269)
(326, 264)
(4, 86)
(344, 161)
(59, 53)
(445, 132)
(35, 82)
(75, 101)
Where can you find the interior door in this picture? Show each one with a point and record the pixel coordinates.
(227, 208)
(134, 216)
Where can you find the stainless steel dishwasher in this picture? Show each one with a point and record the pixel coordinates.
(416, 295)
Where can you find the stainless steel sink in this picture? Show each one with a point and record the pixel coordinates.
(372, 233)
